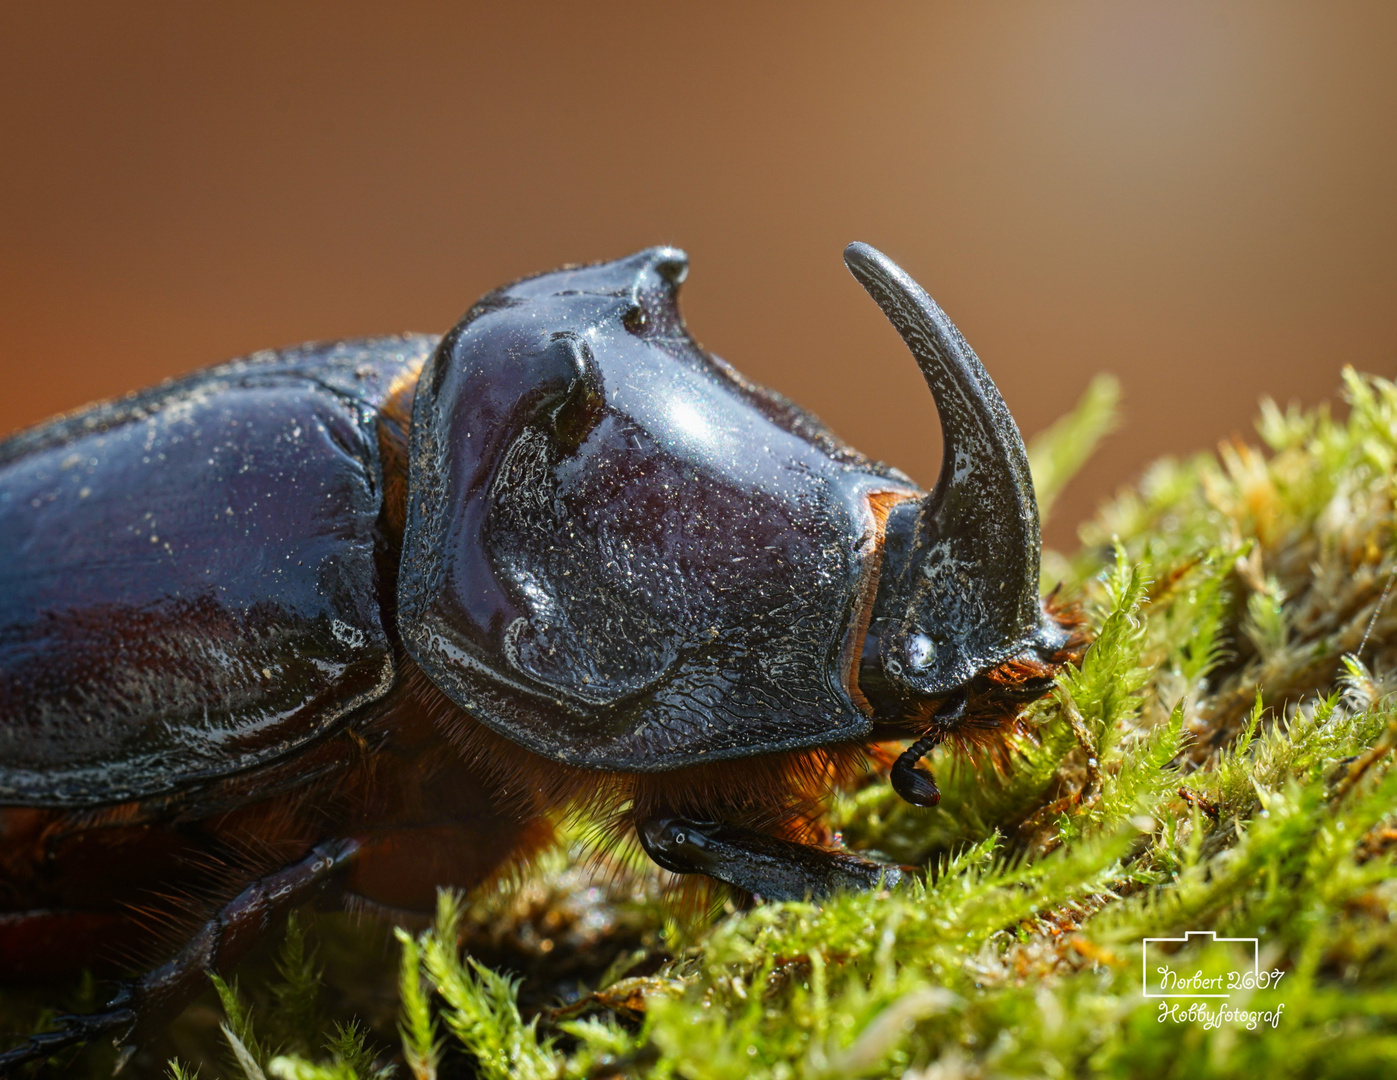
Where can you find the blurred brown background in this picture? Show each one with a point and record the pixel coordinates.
(1199, 198)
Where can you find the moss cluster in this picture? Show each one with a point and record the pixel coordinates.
(1221, 761)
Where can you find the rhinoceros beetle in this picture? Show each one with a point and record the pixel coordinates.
(354, 619)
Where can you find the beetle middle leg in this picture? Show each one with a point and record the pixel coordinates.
(215, 946)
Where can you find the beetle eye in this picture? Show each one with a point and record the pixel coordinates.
(635, 320)
(921, 651)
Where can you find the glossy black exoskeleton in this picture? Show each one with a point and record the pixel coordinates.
(355, 619)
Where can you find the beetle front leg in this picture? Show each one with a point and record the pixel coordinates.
(216, 946)
(762, 865)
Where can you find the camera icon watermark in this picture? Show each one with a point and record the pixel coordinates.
(1200, 965)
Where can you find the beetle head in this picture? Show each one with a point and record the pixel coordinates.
(958, 591)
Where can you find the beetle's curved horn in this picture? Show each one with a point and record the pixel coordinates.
(959, 589)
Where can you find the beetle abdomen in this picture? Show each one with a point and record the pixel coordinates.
(188, 577)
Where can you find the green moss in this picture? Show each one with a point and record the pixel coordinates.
(1222, 760)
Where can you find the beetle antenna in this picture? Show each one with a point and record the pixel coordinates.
(916, 785)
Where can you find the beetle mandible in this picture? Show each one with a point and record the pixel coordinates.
(357, 617)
